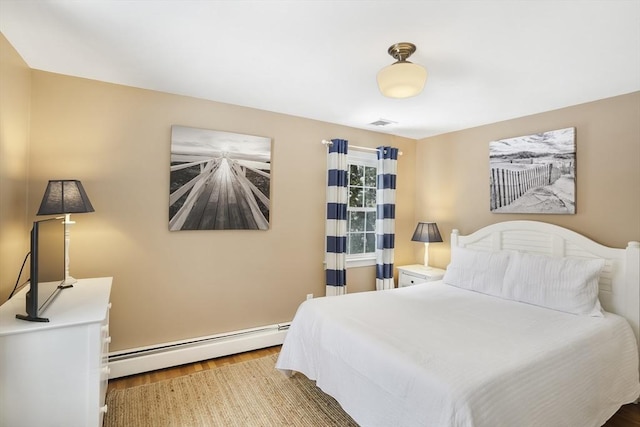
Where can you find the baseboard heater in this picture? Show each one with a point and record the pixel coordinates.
(151, 358)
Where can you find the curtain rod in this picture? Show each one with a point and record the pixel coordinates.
(327, 142)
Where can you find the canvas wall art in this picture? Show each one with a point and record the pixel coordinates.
(534, 174)
(219, 180)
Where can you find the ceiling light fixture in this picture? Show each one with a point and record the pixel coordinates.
(402, 79)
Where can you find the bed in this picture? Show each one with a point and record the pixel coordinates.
(532, 325)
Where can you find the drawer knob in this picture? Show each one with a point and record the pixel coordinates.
(107, 340)
(104, 409)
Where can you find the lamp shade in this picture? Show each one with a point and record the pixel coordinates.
(426, 232)
(402, 79)
(64, 196)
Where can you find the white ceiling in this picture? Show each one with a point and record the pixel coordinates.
(487, 60)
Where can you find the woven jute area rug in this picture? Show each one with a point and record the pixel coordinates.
(244, 394)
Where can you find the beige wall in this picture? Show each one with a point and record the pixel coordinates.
(176, 285)
(15, 90)
(452, 173)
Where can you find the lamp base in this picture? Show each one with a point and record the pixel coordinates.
(68, 282)
(68, 279)
(426, 254)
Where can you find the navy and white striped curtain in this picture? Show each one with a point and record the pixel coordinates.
(385, 216)
(336, 225)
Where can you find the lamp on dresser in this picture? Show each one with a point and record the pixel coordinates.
(426, 232)
(65, 196)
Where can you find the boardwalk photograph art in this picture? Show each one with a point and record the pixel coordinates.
(534, 174)
(218, 180)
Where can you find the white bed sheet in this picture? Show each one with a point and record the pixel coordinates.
(435, 355)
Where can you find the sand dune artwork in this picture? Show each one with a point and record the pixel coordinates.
(534, 174)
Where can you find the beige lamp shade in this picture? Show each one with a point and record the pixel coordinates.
(402, 79)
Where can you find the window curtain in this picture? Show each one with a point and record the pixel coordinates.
(336, 225)
(385, 216)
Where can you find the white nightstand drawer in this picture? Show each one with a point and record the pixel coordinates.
(409, 275)
(407, 279)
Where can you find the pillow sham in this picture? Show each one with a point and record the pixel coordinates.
(564, 284)
(479, 271)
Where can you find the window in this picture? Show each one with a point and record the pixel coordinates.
(361, 209)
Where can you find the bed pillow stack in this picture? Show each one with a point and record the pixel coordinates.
(565, 284)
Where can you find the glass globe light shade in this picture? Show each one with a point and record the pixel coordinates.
(402, 79)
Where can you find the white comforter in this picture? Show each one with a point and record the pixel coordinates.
(435, 355)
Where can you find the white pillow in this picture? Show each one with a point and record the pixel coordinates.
(479, 271)
(564, 284)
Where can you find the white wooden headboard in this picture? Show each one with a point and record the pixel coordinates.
(620, 278)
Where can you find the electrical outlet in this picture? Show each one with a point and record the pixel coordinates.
(309, 296)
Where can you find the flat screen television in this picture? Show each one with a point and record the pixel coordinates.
(47, 272)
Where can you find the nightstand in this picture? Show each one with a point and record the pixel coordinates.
(409, 275)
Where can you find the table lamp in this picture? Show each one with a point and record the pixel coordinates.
(65, 196)
(426, 232)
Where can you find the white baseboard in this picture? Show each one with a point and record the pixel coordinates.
(145, 359)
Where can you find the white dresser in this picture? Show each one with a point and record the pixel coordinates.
(56, 373)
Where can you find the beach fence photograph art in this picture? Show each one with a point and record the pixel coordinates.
(534, 174)
(218, 180)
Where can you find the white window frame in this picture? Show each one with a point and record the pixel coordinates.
(365, 159)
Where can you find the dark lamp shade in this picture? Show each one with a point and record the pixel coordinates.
(426, 232)
(65, 196)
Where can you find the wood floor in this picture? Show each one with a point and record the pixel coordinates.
(178, 371)
(627, 416)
